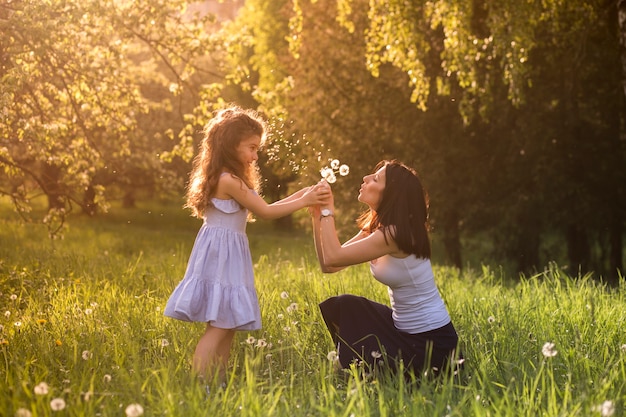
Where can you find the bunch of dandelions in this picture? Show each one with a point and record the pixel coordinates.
(330, 173)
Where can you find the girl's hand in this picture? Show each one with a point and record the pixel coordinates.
(317, 195)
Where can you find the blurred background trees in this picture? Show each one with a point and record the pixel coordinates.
(512, 112)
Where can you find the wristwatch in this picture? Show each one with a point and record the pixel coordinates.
(325, 213)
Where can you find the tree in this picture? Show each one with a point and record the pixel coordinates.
(71, 94)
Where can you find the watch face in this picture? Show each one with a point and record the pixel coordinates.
(325, 212)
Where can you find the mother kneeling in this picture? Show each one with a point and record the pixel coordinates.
(393, 237)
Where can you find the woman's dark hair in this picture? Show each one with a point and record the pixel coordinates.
(403, 210)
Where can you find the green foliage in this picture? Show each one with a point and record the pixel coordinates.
(85, 317)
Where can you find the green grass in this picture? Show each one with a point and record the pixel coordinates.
(84, 315)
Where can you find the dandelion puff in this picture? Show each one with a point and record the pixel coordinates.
(623, 347)
(332, 356)
(107, 378)
(261, 343)
(250, 340)
(134, 410)
(13, 297)
(86, 355)
(331, 179)
(491, 319)
(376, 354)
(23, 412)
(88, 311)
(87, 396)
(292, 307)
(548, 350)
(57, 404)
(41, 389)
(284, 295)
(606, 409)
(7, 314)
(280, 316)
(344, 170)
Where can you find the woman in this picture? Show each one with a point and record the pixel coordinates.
(394, 238)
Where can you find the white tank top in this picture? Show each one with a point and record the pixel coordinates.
(415, 300)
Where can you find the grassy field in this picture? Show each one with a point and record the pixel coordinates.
(82, 332)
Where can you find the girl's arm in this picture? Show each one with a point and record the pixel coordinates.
(235, 188)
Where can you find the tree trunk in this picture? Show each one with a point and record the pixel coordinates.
(51, 186)
(452, 238)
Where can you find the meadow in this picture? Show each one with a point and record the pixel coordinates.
(82, 332)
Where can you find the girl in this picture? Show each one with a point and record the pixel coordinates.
(417, 328)
(218, 286)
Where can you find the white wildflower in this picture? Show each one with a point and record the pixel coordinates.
(41, 389)
(134, 410)
(22, 412)
(57, 404)
(606, 409)
(548, 350)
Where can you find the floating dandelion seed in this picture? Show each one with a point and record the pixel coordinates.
(57, 404)
(41, 389)
(548, 350)
(134, 410)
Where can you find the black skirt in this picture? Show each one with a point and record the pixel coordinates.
(364, 332)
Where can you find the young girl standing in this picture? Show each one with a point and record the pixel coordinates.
(218, 285)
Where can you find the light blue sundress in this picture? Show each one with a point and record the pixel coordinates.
(218, 286)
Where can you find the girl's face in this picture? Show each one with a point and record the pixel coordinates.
(371, 191)
(247, 150)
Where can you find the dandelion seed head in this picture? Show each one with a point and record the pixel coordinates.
(491, 319)
(548, 350)
(261, 343)
(164, 343)
(292, 307)
(106, 378)
(623, 347)
(88, 311)
(23, 412)
(41, 389)
(134, 410)
(376, 354)
(250, 340)
(13, 297)
(57, 404)
(332, 356)
(606, 409)
(284, 295)
(344, 170)
(86, 355)
(7, 314)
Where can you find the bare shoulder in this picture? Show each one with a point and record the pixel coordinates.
(229, 186)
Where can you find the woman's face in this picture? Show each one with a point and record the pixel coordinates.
(371, 191)
(247, 150)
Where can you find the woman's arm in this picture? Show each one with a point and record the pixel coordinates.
(361, 248)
